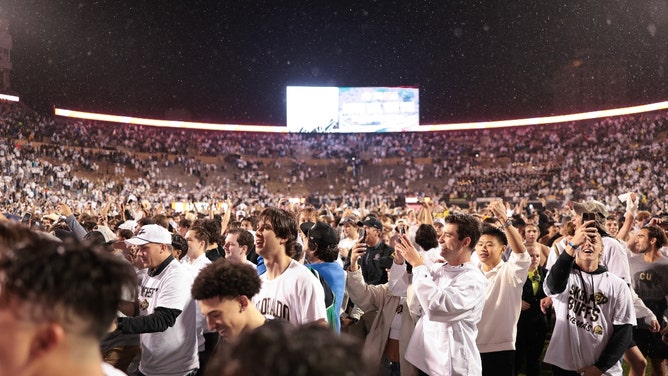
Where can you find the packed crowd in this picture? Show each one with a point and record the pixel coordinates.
(561, 162)
(459, 282)
(414, 286)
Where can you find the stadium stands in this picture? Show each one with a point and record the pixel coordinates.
(46, 157)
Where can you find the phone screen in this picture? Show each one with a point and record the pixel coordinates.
(26, 218)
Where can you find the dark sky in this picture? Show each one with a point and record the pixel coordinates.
(229, 61)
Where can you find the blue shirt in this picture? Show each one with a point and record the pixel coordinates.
(333, 273)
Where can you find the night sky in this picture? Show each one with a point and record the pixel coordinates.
(229, 61)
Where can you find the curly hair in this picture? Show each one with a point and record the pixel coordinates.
(226, 279)
(69, 283)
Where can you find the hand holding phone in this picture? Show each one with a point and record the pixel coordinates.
(358, 250)
(589, 217)
(361, 235)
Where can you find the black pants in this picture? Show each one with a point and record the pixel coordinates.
(190, 374)
(556, 371)
(389, 368)
(498, 363)
(529, 345)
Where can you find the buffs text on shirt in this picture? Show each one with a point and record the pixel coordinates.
(583, 310)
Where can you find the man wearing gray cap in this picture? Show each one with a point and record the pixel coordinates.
(614, 257)
(166, 311)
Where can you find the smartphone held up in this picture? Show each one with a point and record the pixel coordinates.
(588, 216)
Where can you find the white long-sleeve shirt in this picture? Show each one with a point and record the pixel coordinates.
(497, 328)
(451, 300)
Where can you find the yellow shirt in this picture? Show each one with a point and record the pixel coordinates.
(534, 276)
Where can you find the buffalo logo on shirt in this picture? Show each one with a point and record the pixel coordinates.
(600, 299)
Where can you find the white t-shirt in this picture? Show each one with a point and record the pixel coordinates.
(584, 324)
(174, 351)
(296, 296)
(109, 370)
(347, 243)
(200, 262)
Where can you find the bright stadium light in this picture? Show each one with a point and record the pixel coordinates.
(11, 98)
(167, 123)
(546, 120)
(421, 128)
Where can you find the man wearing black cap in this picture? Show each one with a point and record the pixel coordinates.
(321, 254)
(378, 255)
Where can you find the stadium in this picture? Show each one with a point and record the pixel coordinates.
(347, 153)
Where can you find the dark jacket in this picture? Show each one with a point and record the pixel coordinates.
(534, 312)
(374, 262)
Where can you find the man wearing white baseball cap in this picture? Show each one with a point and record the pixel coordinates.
(166, 311)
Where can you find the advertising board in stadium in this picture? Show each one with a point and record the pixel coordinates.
(352, 109)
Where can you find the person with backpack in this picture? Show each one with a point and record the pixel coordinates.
(321, 254)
